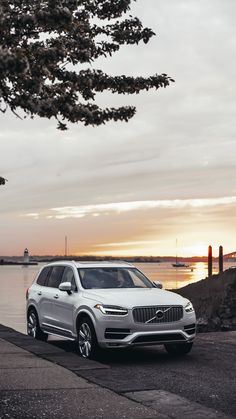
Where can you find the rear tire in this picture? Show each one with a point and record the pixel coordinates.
(33, 328)
(87, 340)
(178, 349)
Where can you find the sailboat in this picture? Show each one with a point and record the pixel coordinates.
(178, 264)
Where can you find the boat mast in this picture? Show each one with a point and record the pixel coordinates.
(176, 258)
(65, 246)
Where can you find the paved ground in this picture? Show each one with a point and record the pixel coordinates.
(143, 383)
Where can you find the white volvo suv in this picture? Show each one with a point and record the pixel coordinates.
(109, 305)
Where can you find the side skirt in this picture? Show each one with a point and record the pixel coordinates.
(57, 331)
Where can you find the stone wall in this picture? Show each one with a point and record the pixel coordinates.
(214, 300)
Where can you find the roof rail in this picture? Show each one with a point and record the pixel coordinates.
(119, 260)
(101, 261)
(73, 261)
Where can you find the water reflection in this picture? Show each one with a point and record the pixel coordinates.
(25, 269)
(173, 278)
(14, 281)
(199, 270)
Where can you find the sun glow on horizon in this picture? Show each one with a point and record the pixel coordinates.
(141, 228)
(198, 249)
(146, 248)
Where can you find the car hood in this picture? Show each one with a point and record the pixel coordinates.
(130, 298)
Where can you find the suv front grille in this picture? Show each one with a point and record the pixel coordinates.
(153, 314)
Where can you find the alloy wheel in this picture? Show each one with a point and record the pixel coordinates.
(32, 325)
(85, 340)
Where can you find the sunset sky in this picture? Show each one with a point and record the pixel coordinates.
(132, 189)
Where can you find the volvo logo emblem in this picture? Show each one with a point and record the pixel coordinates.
(159, 314)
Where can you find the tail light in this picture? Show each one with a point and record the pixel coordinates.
(27, 294)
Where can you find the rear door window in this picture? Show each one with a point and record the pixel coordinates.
(55, 277)
(42, 279)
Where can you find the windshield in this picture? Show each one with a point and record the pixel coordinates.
(113, 278)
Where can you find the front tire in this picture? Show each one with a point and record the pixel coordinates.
(33, 328)
(87, 340)
(178, 349)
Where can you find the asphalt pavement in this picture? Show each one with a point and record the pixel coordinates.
(50, 380)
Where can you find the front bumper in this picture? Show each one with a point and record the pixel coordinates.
(115, 332)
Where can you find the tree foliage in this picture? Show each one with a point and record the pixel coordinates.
(46, 51)
(2, 180)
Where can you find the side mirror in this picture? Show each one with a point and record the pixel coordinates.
(157, 284)
(65, 286)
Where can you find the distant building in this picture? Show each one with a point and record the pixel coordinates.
(26, 256)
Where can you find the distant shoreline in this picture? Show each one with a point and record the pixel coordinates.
(6, 262)
(138, 259)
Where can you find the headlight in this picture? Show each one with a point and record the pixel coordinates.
(189, 307)
(112, 310)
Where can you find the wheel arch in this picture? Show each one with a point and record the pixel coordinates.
(32, 307)
(82, 314)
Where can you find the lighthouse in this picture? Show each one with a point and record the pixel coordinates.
(26, 256)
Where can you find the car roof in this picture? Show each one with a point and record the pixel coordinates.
(93, 264)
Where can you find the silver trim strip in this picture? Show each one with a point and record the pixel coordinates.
(56, 327)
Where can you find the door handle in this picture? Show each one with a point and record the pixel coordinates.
(56, 296)
(39, 293)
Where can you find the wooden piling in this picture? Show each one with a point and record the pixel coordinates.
(209, 261)
(220, 259)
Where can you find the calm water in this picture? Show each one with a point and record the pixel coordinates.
(14, 281)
